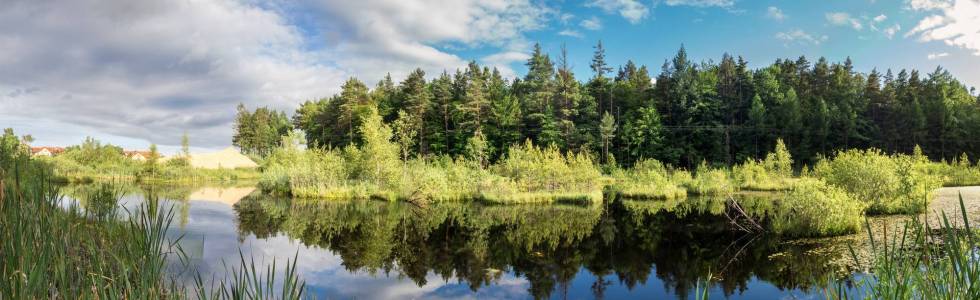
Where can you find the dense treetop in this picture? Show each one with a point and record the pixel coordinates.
(690, 112)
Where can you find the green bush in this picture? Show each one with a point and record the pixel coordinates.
(959, 172)
(711, 181)
(887, 184)
(650, 179)
(814, 208)
(772, 174)
(542, 173)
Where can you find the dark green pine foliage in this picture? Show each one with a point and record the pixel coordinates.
(258, 132)
(721, 113)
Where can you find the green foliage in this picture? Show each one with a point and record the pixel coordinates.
(532, 173)
(93, 153)
(379, 163)
(98, 253)
(772, 174)
(94, 161)
(258, 132)
(710, 181)
(722, 113)
(814, 208)
(648, 178)
(528, 174)
(922, 262)
(886, 183)
(956, 173)
(12, 150)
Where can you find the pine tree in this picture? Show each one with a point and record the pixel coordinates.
(417, 101)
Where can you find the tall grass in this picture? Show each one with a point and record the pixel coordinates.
(922, 262)
(67, 169)
(959, 172)
(48, 250)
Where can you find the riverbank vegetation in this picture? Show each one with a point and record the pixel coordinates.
(93, 160)
(53, 248)
(698, 129)
(528, 173)
(721, 112)
(922, 261)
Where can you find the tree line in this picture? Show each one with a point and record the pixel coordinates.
(691, 112)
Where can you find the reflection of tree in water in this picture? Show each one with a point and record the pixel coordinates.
(102, 199)
(547, 244)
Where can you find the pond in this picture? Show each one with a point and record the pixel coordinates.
(622, 249)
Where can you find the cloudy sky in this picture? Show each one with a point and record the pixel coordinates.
(136, 72)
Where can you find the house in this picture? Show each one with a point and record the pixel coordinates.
(138, 155)
(46, 151)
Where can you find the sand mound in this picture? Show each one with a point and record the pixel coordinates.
(229, 158)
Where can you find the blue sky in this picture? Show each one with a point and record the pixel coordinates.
(133, 73)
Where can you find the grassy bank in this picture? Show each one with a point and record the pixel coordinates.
(94, 249)
(68, 170)
(923, 261)
(526, 174)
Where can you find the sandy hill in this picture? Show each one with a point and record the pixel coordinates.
(229, 158)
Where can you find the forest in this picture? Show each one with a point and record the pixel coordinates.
(716, 112)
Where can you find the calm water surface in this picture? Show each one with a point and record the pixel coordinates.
(623, 249)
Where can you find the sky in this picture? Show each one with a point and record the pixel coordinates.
(133, 73)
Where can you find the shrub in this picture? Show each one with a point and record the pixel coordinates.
(711, 181)
(543, 173)
(814, 208)
(959, 172)
(305, 174)
(648, 178)
(772, 174)
(887, 184)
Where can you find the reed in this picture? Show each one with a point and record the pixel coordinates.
(921, 262)
(100, 250)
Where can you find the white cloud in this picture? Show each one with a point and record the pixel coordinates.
(955, 23)
(775, 13)
(843, 19)
(934, 56)
(635, 11)
(154, 69)
(632, 10)
(565, 18)
(503, 60)
(928, 4)
(378, 36)
(571, 33)
(880, 18)
(799, 36)
(891, 31)
(701, 3)
(592, 23)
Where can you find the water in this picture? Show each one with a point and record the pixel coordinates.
(619, 250)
